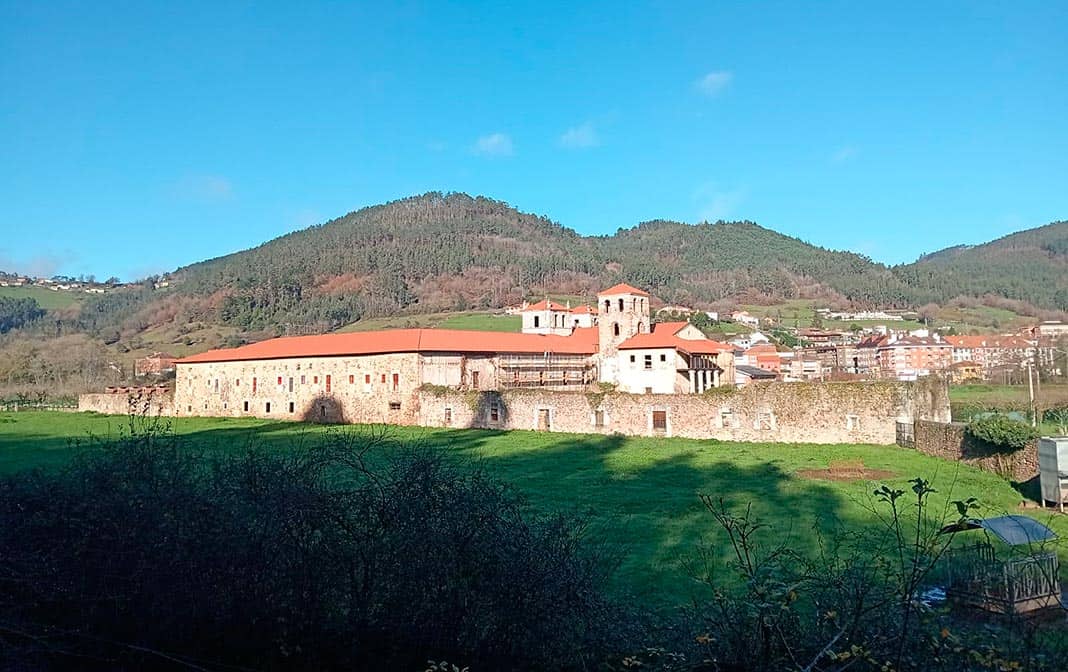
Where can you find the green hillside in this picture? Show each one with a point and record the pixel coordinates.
(442, 253)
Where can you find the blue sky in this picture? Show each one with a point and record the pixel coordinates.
(138, 138)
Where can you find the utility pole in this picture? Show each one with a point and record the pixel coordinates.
(1031, 396)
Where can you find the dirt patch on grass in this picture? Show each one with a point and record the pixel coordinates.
(846, 470)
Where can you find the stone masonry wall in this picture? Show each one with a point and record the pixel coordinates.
(138, 403)
(297, 389)
(950, 441)
(774, 412)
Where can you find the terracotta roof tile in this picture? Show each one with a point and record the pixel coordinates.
(621, 288)
(582, 341)
(546, 304)
(663, 336)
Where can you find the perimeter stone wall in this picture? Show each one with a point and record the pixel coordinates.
(950, 441)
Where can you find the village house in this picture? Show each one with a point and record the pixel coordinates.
(743, 317)
(157, 363)
(965, 372)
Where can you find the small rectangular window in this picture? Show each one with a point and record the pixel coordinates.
(279, 380)
(598, 418)
(367, 379)
(648, 361)
(303, 380)
(352, 379)
(383, 378)
(315, 380)
(396, 381)
(660, 420)
(394, 406)
(663, 358)
(291, 407)
(267, 407)
(245, 407)
(290, 383)
(328, 382)
(632, 359)
(216, 384)
(253, 386)
(495, 413)
(474, 379)
(448, 417)
(237, 382)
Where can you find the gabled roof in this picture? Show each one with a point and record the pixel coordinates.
(755, 372)
(582, 341)
(663, 335)
(988, 342)
(582, 310)
(546, 304)
(621, 288)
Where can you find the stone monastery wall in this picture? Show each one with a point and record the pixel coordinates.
(773, 412)
(389, 388)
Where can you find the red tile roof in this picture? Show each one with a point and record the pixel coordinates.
(584, 309)
(621, 288)
(988, 342)
(663, 336)
(546, 304)
(582, 341)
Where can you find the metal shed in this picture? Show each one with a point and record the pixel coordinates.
(1023, 577)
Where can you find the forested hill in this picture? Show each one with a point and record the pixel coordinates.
(1029, 266)
(439, 252)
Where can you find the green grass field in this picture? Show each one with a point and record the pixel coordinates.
(472, 320)
(46, 298)
(640, 494)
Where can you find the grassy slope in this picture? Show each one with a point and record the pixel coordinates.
(46, 298)
(640, 494)
(477, 321)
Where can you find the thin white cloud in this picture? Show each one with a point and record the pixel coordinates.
(494, 144)
(715, 203)
(843, 154)
(580, 137)
(203, 188)
(714, 82)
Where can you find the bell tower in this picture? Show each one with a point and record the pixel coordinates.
(623, 311)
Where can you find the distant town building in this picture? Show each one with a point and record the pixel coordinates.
(155, 364)
(743, 317)
(910, 357)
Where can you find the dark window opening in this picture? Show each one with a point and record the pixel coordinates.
(328, 382)
(632, 359)
(352, 379)
(663, 358)
(598, 418)
(607, 305)
(383, 377)
(279, 380)
(291, 384)
(267, 407)
(537, 321)
(621, 305)
(495, 413)
(245, 408)
(648, 361)
(396, 381)
(315, 380)
(322, 410)
(474, 379)
(394, 405)
(253, 386)
(615, 328)
(367, 379)
(660, 420)
(448, 417)
(292, 407)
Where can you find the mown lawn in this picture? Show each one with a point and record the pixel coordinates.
(640, 495)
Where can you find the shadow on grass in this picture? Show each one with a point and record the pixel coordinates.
(638, 496)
